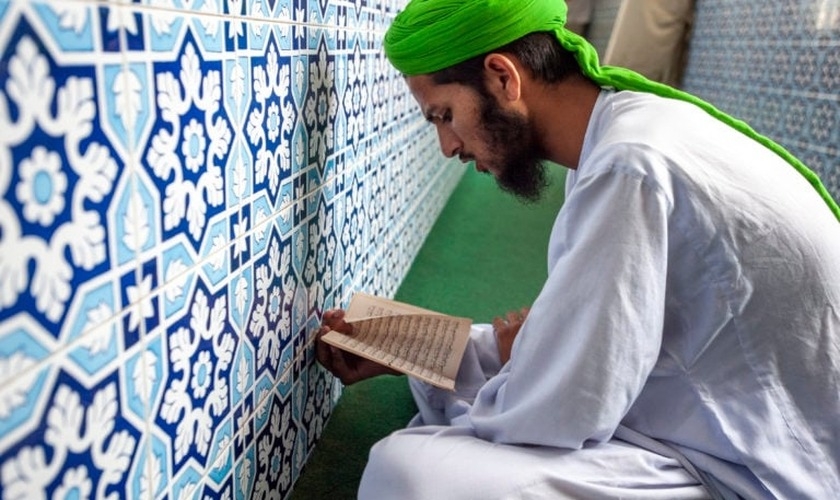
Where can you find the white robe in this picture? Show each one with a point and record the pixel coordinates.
(692, 308)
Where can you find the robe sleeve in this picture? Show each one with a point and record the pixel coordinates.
(594, 333)
(480, 363)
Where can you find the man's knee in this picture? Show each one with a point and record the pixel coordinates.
(450, 462)
(393, 469)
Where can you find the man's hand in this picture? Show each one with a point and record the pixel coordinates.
(347, 366)
(506, 330)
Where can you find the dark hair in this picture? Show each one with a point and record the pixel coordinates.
(540, 53)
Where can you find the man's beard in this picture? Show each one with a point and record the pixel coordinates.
(518, 158)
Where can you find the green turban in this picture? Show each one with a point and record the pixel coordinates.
(430, 35)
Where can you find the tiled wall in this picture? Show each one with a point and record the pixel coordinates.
(185, 185)
(776, 65)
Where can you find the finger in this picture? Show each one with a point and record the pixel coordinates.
(322, 349)
(335, 320)
(341, 369)
(343, 326)
(499, 323)
(323, 330)
(329, 316)
(514, 319)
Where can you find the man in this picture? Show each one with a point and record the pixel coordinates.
(686, 343)
(578, 16)
(650, 37)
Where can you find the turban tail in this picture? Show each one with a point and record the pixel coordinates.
(430, 35)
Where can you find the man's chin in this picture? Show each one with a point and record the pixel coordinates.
(525, 189)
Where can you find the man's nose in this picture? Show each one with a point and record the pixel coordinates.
(450, 144)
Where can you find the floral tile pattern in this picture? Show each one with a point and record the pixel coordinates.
(185, 186)
(775, 65)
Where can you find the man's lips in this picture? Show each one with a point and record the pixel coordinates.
(481, 168)
(478, 166)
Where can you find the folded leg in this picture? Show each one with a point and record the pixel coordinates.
(437, 462)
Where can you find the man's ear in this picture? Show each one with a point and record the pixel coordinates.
(502, 76)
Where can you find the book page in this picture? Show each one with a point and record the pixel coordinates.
(423, 344)
(363, 306)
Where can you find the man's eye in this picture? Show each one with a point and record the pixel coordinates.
(446, 117)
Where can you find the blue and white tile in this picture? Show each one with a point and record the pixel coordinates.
(236, 86)
(261, 10)
(165, 26)
(4, 8)
(66, 169)
(221, 455)
(199, 350)
(300, 392)
(272, 118)
(244, 415)
(794, 78)
(268, 327)
(84, 445)
(317, 403)
(262, 213)
(322, 102)
(93, 343)
(190, 143)
(286, 370)
(244, 474)
(262, 402)
(257, 33)
(239, 222)
(214, 253)
(188, 244)
(288, 208)
(300, 27)
(212, 31)
(178, 276)
(285, 33)
(318, 268)
(143, 376)
(321, 12)
(235, 25)
(187, 483)
(25, 378)
(359, 15)
(141, 300)
(210, 8)
(150, 472)
(275, 444)
(75, 27)
(125, 106)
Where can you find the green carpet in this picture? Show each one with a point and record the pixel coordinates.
(485, 255)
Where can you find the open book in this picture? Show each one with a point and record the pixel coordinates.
(418, 342)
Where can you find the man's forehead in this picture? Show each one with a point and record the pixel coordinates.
(419, 82)
(425, 87)
(424, 90)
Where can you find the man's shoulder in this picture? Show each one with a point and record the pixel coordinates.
(643, 125)
(644, 115)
